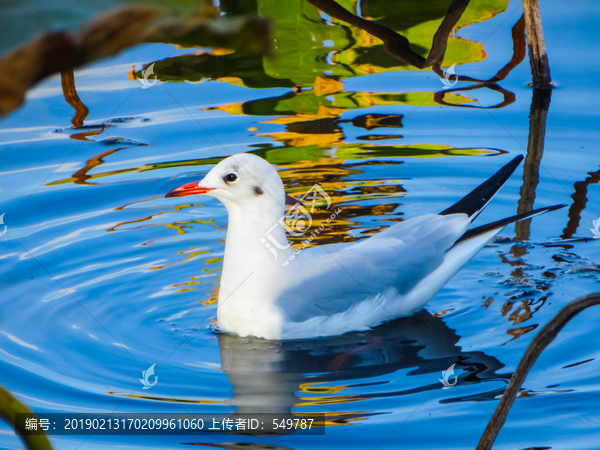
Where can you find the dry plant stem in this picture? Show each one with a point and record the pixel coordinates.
(540, 70)
(112, 33)
(9, 406)
(539, 343)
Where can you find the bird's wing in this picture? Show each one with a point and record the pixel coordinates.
(330, 280)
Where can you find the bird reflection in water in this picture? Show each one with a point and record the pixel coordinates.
(280, 376)
(300, 378)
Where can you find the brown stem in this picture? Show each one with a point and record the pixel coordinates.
(67, 79)
(538, 59)
(110, 34)
(9, 406)
(539, 343)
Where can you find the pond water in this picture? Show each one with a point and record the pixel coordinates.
(101, 276)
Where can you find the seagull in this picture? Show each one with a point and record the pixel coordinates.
(333, 289)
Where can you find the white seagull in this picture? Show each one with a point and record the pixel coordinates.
(333, 289)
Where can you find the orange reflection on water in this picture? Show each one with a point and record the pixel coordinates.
(192, 255)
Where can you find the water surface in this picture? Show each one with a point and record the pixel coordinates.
(101, 276)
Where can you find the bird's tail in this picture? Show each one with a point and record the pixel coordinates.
(499, 224)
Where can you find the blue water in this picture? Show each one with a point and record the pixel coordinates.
(101, 276)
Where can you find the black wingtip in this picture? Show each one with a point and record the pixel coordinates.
(555, 207)
(499, 224)
(474, 202)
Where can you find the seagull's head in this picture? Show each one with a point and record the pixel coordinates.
(242, 180)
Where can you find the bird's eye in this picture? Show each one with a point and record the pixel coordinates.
(230, 177)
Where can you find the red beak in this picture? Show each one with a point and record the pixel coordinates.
(188, 189)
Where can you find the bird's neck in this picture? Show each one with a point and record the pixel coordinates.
(256, 247)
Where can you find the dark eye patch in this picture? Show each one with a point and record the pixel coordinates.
(230, 178)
